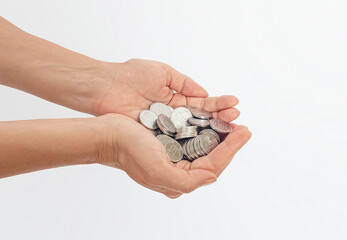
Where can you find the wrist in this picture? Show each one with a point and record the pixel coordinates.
(106, 144)
(83, 86)
(104, 77)
(75, 141)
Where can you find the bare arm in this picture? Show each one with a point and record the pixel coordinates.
(45, 69)
(59, 75)
(32, 145)
(113, 140)
(76, 81)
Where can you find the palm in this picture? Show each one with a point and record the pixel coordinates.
(140, 149)
(143, 82)
(145, 159)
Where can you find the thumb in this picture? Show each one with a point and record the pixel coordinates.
(184, 181)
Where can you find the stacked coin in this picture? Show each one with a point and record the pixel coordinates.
(173, 148)
(187, 132)
(193, 128)
(198, 146)
(166, 125)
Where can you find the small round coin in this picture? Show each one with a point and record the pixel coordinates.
(173, 148)
(180, 117)
(201, 113)
(166, 125)
(199, 122)
(184, 145)
(190, 150)
(160, 108)
(187, 132)
(208, 144)
(149, 119)
(197, 145)
(210, 133)
(220, 126)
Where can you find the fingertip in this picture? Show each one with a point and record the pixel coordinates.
(226, 101)
(216, 104)
(236, 139)
(210, 181)
(202, 93)
(236, 100)
(249, 133)
(193, 89)
(237, 112)
(227, 115)
(241, 127)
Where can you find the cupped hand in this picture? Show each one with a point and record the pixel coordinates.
(133, 86)
(129, 146)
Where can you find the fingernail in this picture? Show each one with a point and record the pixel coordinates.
(209, 181)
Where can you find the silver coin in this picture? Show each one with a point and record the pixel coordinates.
(190, 130)
(184, 148)
(166, 125)
(201, 146)
(173, 148)
(161, 137)
(193, 150)
(186, 132)
(201, 113)
(220, 126)
(190, 150)
(208, 144)
(197, 146)
(210, 133)
(199, 122)
(160, 108)
(171, 108)
(148, 119)
(180, 117)
(189, 156)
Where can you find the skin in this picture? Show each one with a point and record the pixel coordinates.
(115, 93)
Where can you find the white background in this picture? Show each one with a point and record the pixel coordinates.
(285, 61)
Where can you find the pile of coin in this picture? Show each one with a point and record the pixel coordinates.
(186, 132)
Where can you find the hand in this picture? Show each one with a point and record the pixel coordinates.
(70, 79)
(132, 86)
(129, 146)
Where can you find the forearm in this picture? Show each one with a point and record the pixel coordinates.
(33, 145)
(47, 70)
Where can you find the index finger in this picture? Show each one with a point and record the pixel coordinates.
(210, 104)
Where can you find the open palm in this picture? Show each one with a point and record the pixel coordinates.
(134, 85)
(135, 150)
